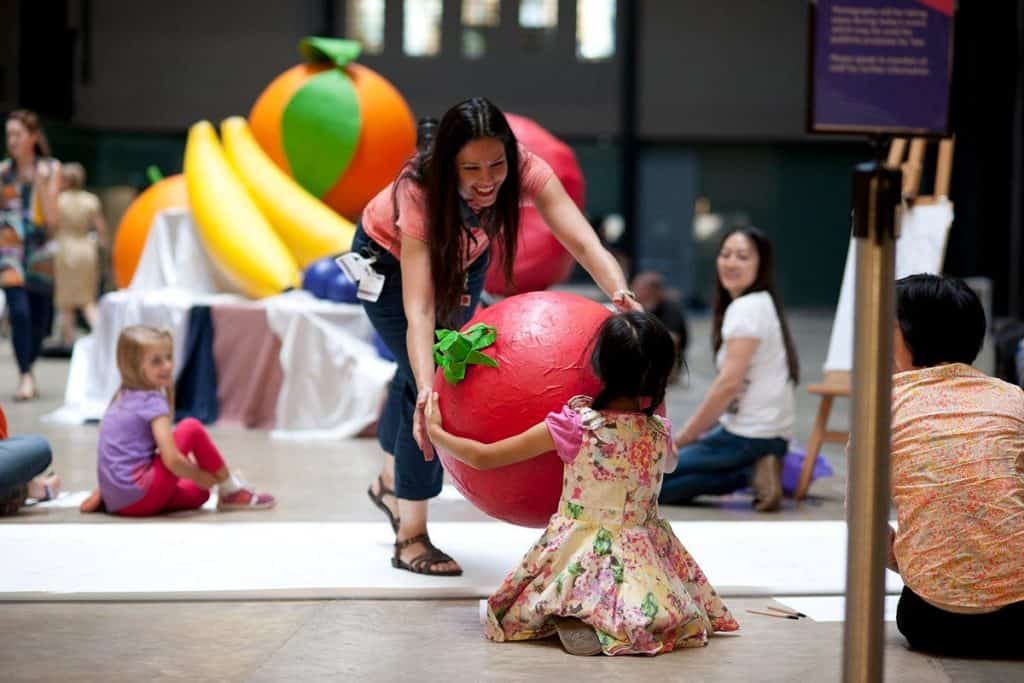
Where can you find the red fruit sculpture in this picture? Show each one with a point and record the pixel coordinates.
(542, 350)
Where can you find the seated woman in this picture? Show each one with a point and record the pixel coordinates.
(751, 400)
(22, 461)
(957, 479)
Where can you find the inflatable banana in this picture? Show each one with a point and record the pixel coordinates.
(237, 237)
(309, 228)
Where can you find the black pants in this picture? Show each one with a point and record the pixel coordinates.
(996, 635)
(31, 316)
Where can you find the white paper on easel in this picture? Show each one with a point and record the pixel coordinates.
(921, 248)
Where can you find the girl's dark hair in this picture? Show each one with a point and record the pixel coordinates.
(633, 357)
(434, 169)
(763, 282)
(30, 120)
(941, 319)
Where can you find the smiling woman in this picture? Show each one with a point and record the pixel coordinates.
(750, 406)
(428, 237)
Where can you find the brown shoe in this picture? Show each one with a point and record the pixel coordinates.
(578, 637)
(767, 483)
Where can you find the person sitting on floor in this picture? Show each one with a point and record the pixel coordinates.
(650, 291)
(23, 459)
(957, 482)
(145, 465)
(749, 408)
(608, 575)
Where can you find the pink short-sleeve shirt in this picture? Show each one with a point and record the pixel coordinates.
(379, 215)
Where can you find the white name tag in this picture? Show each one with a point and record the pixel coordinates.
(359, 270)
(370, 286)
(355, 266)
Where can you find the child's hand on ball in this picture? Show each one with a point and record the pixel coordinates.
(433, 413)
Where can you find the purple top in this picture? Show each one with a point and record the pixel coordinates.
(127, 446)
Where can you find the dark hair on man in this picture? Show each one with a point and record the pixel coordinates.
(433, 168)
(764, 282)
(941, 319)
(633, 357)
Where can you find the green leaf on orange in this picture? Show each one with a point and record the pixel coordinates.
(320, 130)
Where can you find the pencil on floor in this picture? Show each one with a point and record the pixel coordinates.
(786, 610)
(771, 614)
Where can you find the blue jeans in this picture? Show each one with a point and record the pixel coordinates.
(31, 316)
(415, 478)
(21, 459)
(720, 462)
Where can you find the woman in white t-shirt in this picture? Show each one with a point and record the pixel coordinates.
(750, 403)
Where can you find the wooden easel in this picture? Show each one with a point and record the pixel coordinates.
(837, 383)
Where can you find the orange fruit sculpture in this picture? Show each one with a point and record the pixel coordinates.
(339, 129)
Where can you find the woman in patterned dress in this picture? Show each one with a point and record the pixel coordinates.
(29, 185)
(608, 575)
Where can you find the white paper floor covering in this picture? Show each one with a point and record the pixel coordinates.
(170, 559)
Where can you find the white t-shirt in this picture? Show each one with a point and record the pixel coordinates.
(763, 409)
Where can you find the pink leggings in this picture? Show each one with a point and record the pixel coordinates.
(165, 492)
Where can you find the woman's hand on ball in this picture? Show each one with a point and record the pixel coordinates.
(625, 301)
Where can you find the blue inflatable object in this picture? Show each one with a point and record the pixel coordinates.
(382, 348)
(340, 289)
(318, 275)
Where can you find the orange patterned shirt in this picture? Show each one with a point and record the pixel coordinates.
(958, 485)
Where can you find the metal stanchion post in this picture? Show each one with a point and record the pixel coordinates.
(876, 198)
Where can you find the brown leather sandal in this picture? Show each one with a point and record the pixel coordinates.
(577, 637)
(378, 500)
(425, 561)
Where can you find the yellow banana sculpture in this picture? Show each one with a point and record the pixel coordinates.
(310, 229)
(239, 240)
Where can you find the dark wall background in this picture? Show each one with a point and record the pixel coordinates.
(720, 90)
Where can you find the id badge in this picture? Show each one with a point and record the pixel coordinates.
(355, 266)
(370, 286)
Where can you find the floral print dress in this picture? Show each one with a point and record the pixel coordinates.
(607, 557)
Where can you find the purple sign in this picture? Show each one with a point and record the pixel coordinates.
(881, 66)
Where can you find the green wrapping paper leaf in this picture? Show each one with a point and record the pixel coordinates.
(319, 49)
(455, 350)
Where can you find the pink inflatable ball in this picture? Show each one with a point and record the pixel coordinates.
(541, 260)
(542, 349)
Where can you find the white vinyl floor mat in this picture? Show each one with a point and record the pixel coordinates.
(176, 559)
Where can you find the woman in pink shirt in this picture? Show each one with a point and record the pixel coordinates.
(428, 235)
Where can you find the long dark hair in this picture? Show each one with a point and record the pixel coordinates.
(30, 120)
(633, 357)
(434, 169)
(764, 282)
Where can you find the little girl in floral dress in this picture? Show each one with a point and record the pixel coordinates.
(608, 575)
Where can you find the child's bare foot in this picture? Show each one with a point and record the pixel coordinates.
(44, 487)
(94, 503)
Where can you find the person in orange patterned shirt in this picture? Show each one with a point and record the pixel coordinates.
(957, 479)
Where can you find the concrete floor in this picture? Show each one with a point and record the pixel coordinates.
(360, 640)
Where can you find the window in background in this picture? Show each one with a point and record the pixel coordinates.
(538, 23)
(479, 19)
(364, 21)
(595, 29)
(421, 28)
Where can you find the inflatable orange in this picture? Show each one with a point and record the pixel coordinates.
(339, 129)
(134, 226)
